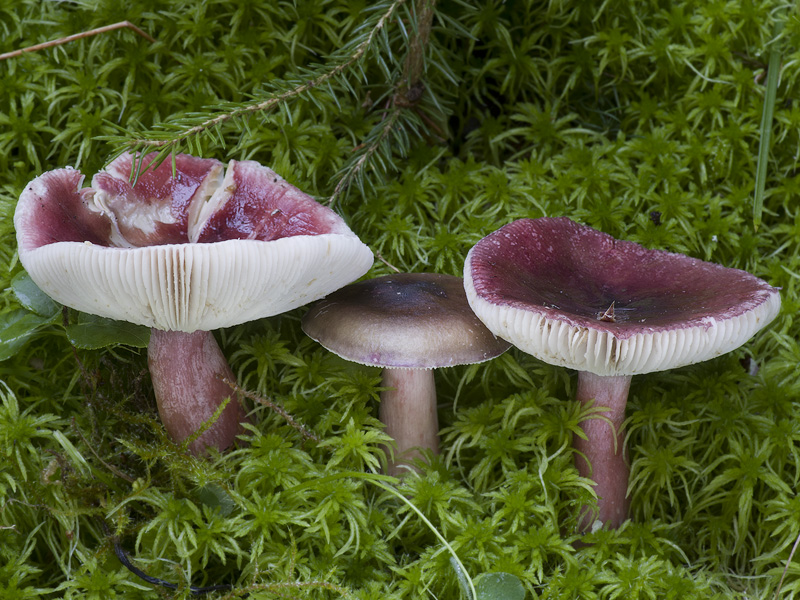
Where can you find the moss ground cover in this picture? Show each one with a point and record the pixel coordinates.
(641, 118)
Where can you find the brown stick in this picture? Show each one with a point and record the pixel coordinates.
(78, 36)
(415, 61)
(387, 263)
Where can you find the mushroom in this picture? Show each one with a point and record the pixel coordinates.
(184, 254)
(408, 324)
(575, 297)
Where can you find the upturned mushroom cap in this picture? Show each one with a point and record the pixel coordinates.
(200, 250)
(408, 320)
(575, 297)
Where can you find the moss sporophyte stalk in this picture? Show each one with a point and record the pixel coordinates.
(426, 127)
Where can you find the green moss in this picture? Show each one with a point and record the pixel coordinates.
(607, 113)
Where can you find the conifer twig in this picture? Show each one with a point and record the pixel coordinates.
(407, 96)
(272, 101)
(78, 36)
(385, 129)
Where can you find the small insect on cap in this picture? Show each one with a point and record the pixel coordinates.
(408, 320)
(197, 249)
(576, 297)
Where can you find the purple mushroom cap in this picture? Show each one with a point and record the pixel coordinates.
(574, 296)
(187, 248)
(203, 249)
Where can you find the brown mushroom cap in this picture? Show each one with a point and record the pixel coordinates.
(576, 297)
(198, 251)
(408, 320)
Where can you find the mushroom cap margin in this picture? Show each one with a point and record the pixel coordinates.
(561, 340)
(403, 321)
(190, 287)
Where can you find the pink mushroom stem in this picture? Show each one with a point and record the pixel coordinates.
(187, 370)
(604, 447)
(408, 409)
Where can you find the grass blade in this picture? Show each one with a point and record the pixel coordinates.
(773, 74)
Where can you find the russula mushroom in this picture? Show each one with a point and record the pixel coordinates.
(575, 297)
(184, 254)
(408, 324)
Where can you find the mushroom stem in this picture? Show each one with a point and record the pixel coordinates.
(604, 448)
(408, 409)
(187, 370)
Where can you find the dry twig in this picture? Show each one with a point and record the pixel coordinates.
(78, 36)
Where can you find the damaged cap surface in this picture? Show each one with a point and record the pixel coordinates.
(202, 249)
